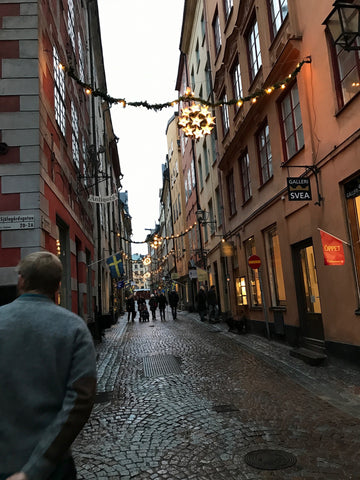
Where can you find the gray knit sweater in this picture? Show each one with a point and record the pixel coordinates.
(47, 384)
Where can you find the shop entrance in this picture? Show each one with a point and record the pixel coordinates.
(307, 292)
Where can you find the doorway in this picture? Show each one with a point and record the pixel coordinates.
(307, 292)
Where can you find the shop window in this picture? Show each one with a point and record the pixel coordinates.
(352, 194)
(253, 275)
(241, 294)
(276, 278)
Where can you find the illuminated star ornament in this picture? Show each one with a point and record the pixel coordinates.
(196, 120)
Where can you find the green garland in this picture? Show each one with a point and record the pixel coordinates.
(184, 98)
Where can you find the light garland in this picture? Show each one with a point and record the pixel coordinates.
(90, 90)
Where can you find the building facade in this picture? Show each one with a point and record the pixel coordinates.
(292, 127)
(59, 168)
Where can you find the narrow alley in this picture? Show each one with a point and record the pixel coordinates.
(188, 400)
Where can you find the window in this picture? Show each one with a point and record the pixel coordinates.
(192, 79)
(213, 145)
(231, 193)
(63, 252)
(228, 5)
(217, 32)
(279, 10)
(352, 195)
(201, 181)
(179, 203)
(236, 81)
(212, 218)
(71, 22)
(208, 79)
(218, 206)
(292, 122)
(347, 73)
(193, 178)
(254, 53)
(59, 92)
(75, 135)
(203, 27)
(265, 157)
(186, 191)
(277, 286)
(197, 54)
(206, 159)
(189, 183)
(254, 283)
(225, 115)
(81, 60)
(241, 295)
(245, 176)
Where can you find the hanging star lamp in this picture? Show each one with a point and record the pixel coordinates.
(195, 120)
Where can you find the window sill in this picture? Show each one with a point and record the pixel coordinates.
(278, 309)
(265, 183)
(293, 156)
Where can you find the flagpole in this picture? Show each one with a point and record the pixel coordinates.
(331, 235)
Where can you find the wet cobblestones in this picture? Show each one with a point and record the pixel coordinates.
(235, 394)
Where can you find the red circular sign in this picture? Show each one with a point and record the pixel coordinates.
(254, 262)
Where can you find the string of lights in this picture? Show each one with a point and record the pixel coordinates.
(96, 92)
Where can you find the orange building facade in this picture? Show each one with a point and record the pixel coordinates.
(289, 161)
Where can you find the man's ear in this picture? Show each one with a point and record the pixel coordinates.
(21, 283)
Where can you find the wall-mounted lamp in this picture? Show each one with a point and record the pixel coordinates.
(343, 23)
(203, 217)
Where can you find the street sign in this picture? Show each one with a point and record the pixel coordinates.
(299, 189)
(254, 262)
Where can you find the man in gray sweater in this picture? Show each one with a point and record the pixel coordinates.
(47, 376)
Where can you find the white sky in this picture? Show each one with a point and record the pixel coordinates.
(140, 40)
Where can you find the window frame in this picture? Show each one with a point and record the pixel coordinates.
(59, 92)
(253, 49)
(295, 130)
(267, 165)
(225, 119)
(216, 32)
(230, 187)
(274, 15)
(274, 267)
(245, 176)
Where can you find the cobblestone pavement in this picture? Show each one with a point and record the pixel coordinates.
(188, 400)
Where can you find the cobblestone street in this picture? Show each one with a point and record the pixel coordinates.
(186, 400)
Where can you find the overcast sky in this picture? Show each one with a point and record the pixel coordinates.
(140, 41)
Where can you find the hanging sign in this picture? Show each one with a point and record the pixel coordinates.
(299, 189)
(333, 249)
(100, 199)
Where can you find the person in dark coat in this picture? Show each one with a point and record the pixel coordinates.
(212, 302)
(201, 303)
(162, 302)
(130, 308)
(173, 302)
(153, 306)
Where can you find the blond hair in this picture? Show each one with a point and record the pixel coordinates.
(41, 272)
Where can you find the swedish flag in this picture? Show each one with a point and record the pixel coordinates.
(116, 265)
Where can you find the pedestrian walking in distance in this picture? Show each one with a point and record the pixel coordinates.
(47, 376)
(130, 308)
(201, 303)
(212, 304)
(153, 306)
(173, 302)
(162, 302)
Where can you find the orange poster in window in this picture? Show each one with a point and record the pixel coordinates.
(333, 249)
